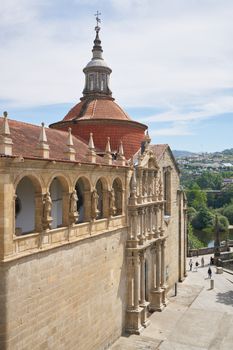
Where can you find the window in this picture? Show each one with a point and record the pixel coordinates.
(25, 207)
(84, 197)
(117, 188)
(167, 190)
(56, 197)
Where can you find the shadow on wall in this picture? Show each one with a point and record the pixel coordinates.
(225, 298)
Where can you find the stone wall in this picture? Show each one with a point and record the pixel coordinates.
(72, 297)
(175, 246)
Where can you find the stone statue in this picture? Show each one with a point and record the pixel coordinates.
(47, 209)
(94, 204)
(73, 207)
(112, 202)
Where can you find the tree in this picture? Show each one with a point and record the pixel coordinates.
(196, 197)
(228, 212)
(209, 180)
(193, 241)
(225, 197)
(191, 212)
(223, 224)
(203, 219)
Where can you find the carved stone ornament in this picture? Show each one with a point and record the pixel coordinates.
(73, 214)
(94, 204)
(47, 209)
(160, 194)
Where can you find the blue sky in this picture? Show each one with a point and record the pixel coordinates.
(172, 63)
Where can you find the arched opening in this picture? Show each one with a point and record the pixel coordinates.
(26, 205)
(117, 188)
(103, 205)
(91, 81)
(99, 189)
(82, 188)
(167, 191)
(58, 190)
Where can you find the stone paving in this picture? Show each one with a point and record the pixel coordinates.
(198, 318)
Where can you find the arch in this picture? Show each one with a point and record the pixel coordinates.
(62, 179)
(167, 190)
(103, 203)
(36, 181)
(59, 193)
(104, 182)
(83, 189)
(118, 191)
(28, 205)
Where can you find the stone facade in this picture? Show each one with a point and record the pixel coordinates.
(91, 240)
(61, 286)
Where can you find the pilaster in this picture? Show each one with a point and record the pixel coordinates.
(7, 212)
(143, 303)
(134, 311)
(163, 278)
(156, 293)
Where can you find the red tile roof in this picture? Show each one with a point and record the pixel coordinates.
(97, 109)
(25, 139)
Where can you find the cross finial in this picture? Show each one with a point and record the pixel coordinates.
(97, 14)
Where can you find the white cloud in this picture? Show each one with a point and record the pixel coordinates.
(169, 54)
(175, 130)
(219, 106)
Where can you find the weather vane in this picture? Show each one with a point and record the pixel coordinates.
(97, 14)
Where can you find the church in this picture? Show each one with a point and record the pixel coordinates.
(92, 224)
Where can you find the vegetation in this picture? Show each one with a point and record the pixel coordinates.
(207, 198)
(193, 241)
(228, 212)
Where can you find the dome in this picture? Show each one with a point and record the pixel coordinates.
(97, 63)
(97, 109)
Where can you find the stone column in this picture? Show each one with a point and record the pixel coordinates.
(162, 219)
(156, 293)
(130, 283)
(141, 226)
(143, 302)
(145, 185)
(163, 270)
(133, 228)
(150, 219)
(155, 180)
(133, 314)
(136, 283)
(140, 173)
(145, 222)
(66, 208)
(158, 265)
(157, 228)
(38, 211)
(152, 251)
(142, 279)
